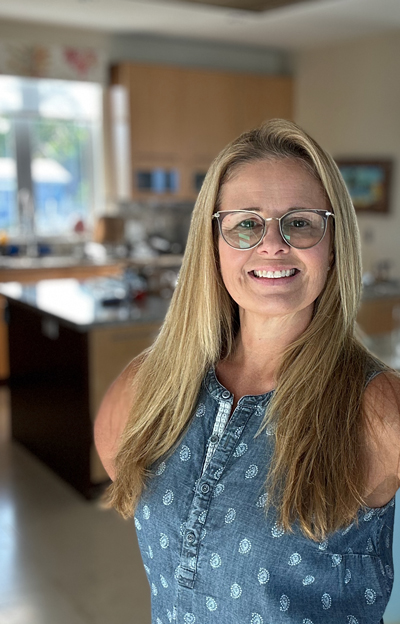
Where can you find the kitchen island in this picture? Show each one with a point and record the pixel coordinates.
(68, 341)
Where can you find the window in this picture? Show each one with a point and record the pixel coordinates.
(50, 155)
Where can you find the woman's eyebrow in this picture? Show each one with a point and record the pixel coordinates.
(256, 209)
(252, 209)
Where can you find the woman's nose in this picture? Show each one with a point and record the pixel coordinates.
(272, 242)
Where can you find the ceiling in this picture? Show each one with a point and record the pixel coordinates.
(296, 26)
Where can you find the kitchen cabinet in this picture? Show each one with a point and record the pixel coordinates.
(155, 106)
(65, 351)
(212, 113)
(266, 97)
(180, 119)
(379, 315)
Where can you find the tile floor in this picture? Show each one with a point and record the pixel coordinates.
(63, 560)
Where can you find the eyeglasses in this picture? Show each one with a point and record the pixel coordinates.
(300, 229)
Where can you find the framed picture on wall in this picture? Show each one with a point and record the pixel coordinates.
(368, 182)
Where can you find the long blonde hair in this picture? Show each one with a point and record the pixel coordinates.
(316, 475)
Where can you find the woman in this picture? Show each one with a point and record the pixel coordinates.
(256, 441)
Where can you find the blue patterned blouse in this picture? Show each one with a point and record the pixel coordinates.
(213, 557)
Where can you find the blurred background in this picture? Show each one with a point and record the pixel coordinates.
(110, 114)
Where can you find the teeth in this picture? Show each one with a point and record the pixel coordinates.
(274, 274)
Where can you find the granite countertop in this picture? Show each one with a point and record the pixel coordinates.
(80, 304)
(49, 262)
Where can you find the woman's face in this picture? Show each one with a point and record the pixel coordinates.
(272, 188)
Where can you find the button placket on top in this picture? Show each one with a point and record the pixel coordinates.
(224, 411)
(201, 500)
(205, 489)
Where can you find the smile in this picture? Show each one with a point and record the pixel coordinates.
(274, 274)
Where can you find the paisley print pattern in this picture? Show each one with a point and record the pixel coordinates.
(215, 560)
(240, 449)
(215, 553)
(146, 512)
(236, 591)
(164, 582)
(219, 489)
(230, 516)
(251, 472)
(270, 429)
(284, 602)
(185, 453)
(263, 576)
(211, 604)
(168, 497)
(160, 469)
(262, 500)
(277, 530)
(294, 559)
(370, 596)
(336, 560)
(164, 540)
(245, 546)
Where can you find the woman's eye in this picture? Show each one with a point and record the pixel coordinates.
(299, 223)
(247, 224)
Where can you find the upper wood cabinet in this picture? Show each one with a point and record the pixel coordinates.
(181, 118)
(266, 97)
(155, 106)
(213, 114)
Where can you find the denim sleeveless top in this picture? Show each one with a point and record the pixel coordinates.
(212, 555)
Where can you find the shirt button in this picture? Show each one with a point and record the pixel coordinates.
(214, 438)
(205, 488)
(226, 394)
(190, 537)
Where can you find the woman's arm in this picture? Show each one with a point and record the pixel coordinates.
(382, 409)
(112, 417)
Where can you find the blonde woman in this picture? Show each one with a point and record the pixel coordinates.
(257, 442)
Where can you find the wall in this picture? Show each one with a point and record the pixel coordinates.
(210, 55)
(348, 98)
(153, 48)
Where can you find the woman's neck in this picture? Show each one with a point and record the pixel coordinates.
(262, 341)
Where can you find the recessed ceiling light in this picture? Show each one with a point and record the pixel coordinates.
(249, 5)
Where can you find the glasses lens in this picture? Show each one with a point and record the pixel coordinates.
(303, 229)
(242, 230)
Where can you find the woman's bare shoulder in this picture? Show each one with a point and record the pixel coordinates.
(113, 415)
(383, 394)
(382, 409)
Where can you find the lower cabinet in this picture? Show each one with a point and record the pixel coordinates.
(379, 316)
(58, 376)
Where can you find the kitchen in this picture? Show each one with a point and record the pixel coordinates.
(359, 99)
